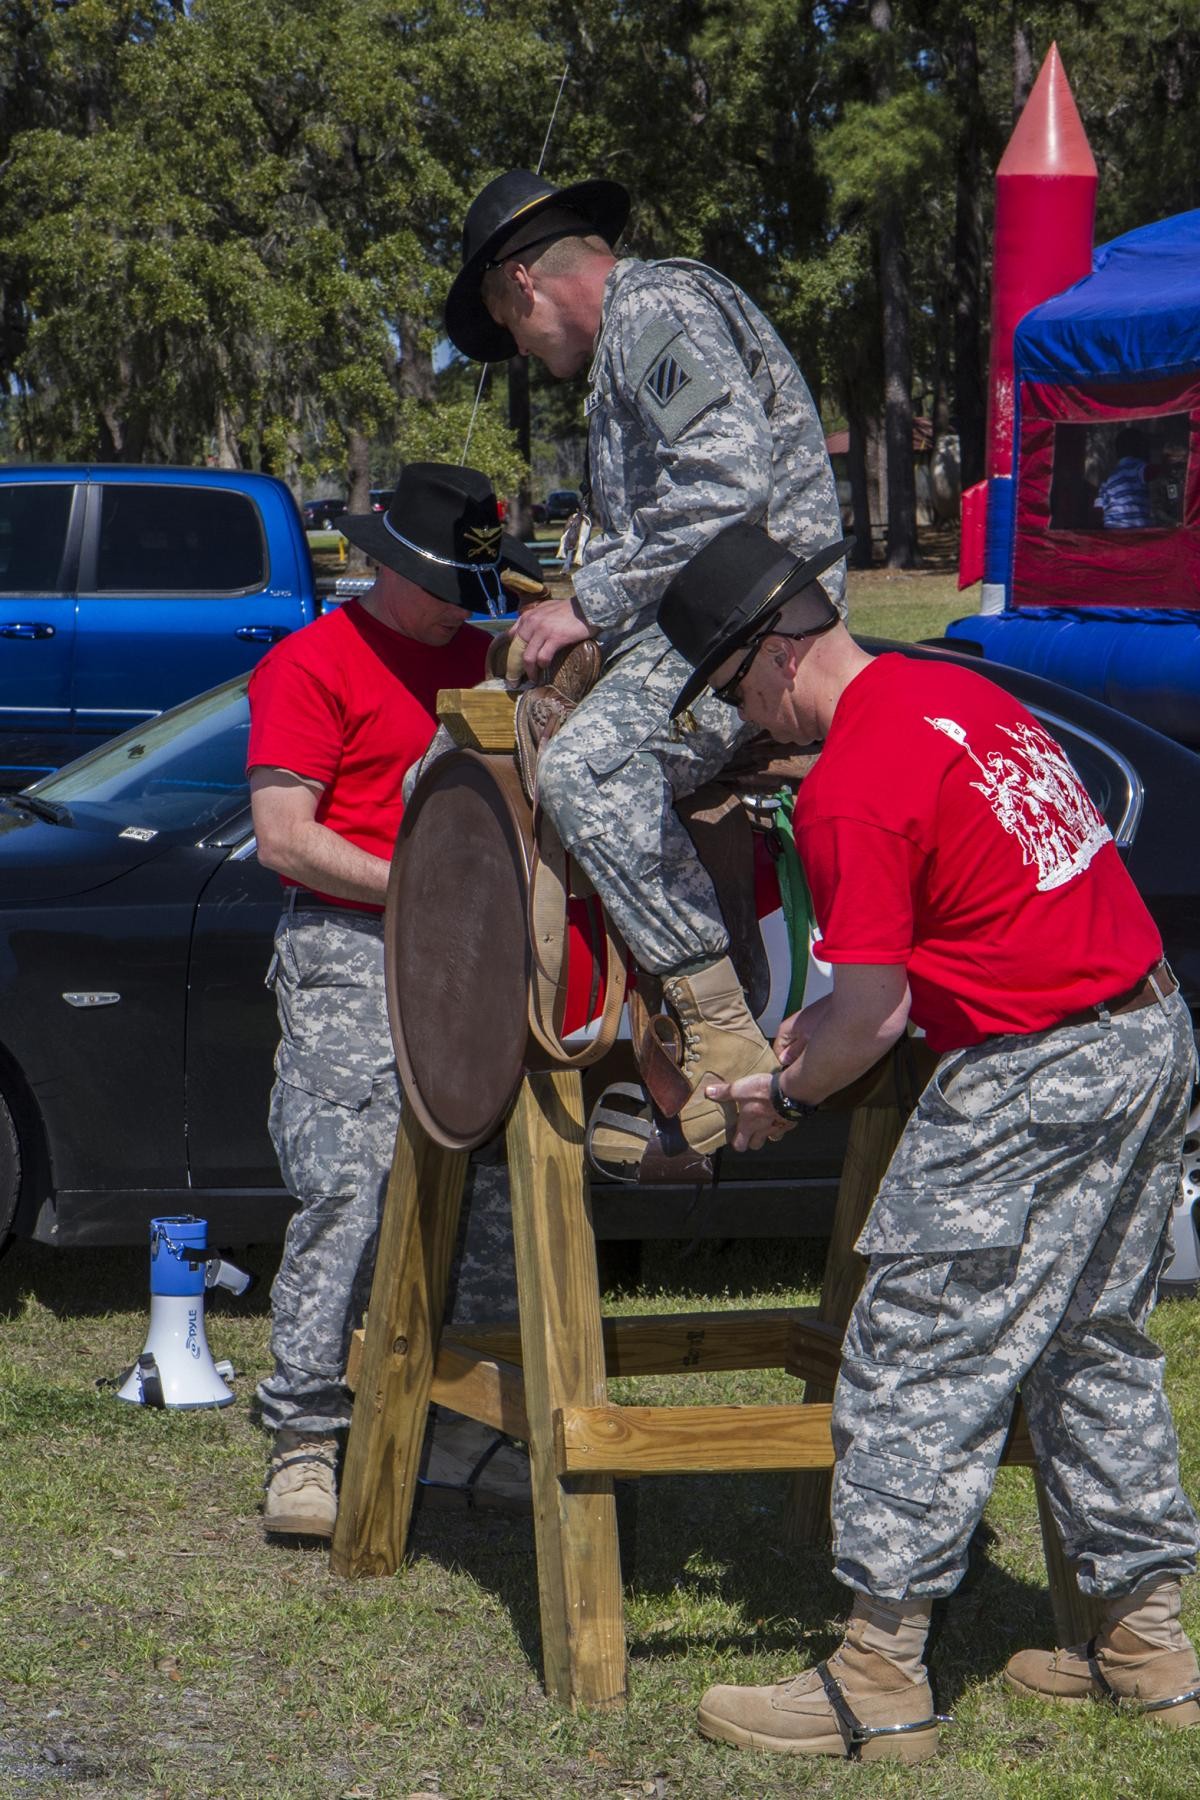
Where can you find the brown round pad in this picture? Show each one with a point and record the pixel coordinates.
(457, 944)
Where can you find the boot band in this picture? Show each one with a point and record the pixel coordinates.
(1143, 1706)
(854, 1733)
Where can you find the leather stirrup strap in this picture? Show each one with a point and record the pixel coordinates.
(854, 1733)
(548, 893)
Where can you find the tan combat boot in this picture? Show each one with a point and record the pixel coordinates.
(862, 1704)
(301, 1486)
(721, 1042)
(1140, 1657)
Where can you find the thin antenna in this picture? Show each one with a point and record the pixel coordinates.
(550, 127)
(540, 161)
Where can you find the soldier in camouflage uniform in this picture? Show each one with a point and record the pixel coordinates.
(963, 878)
(339, 712)
(697, 417)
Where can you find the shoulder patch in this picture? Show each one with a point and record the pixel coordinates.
(676, 387)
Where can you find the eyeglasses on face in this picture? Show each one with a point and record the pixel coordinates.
(730, 692)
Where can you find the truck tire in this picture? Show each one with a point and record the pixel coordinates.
(10, 1173)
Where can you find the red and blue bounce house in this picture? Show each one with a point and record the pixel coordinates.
(1094, 543)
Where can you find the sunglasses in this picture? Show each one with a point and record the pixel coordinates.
(730, 692)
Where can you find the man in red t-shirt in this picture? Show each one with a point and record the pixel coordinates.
(339, 713)
(963, 880)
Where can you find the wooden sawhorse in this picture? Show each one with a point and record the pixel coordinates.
(545, 1380)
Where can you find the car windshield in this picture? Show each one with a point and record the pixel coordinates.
(183, 772)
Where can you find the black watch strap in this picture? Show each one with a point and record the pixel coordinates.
(784, 1105)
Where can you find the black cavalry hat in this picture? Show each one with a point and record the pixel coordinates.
(505, 206)
(733, 589)
(443, 531)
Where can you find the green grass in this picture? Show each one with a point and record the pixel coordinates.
(894, 604)
(155, 1648)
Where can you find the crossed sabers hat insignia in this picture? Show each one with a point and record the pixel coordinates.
(483, 542)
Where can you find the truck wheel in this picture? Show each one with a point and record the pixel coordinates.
(1181, 1277)
(10, 1173)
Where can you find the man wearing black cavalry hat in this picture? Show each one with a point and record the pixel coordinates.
(962, 877)
(340, 711)
(697, 418)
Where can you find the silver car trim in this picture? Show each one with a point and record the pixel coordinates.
(1125, 829)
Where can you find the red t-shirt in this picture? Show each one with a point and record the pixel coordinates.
(943, 828)
(352, 704)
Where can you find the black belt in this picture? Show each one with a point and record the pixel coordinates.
(304, 900)
(1157, 984)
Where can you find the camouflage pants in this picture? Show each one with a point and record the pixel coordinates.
(335, 1107)
(1017, 1239)
(607, 781)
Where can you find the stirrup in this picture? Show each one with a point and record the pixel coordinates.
(854, 1733)
(1137, 1706)
(659, 1154)
(467, 1487)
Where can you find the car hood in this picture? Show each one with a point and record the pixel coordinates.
(40, 860)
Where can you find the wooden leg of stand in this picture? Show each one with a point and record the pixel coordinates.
(404, 1322)
(579, 1574)
(1077, 1618)
(874, 1134)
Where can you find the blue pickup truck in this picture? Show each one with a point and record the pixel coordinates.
(126, 589)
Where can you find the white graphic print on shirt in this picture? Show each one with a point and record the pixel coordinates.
(1037, 797)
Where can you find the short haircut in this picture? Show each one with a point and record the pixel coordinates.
(797, 609)
(571, 241)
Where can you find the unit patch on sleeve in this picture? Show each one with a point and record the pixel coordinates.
(673, 386)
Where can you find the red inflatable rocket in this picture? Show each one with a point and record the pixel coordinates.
(1045, 210)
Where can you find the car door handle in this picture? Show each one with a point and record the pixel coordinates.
(261, 634)
(34, 630)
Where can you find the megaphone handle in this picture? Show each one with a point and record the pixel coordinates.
(151, 1380)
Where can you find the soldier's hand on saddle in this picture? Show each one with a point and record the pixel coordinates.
(546, 629)
(757, 1120)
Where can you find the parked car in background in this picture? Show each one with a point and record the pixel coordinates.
(322, 515)
(125, 590)
(560, 504)
(381, 499)
(137, 1036)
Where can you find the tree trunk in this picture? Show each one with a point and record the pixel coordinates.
(358, 485)
(414, 366)
(1022, 64)
(860, 492)
(970, 386)
(897, 347)
(228, 454)
(520, 504)
(897, 394)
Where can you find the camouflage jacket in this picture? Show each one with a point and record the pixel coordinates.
(698, 417)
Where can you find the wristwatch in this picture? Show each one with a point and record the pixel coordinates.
(784, 1105)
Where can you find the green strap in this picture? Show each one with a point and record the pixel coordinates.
(797, 901)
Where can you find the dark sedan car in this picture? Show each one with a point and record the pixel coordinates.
(322, 515)
(136, 1033)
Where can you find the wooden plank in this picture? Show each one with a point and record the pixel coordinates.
(575, 1521)
(1077, 1618)
(354, 1356)
(492, 1392)
(1018, 1446)
(685, 1343)
(404, 1321)
(665, 1343)
(680, 1440)
(478, 718)
(814, 1353)
(670, 1343)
